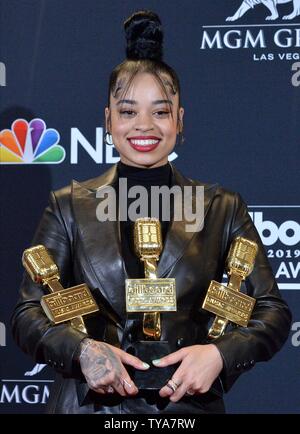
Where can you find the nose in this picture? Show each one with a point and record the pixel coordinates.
(143, 122)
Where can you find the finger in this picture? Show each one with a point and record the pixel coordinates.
(170, 359)
(124, 384)
(171, 386)
(109, 389)
(129, 386)
(103, 390)
(128, 359)
(118, 386)
(166, 391)
(179, 393)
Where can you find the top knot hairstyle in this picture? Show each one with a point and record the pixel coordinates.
(144, 52)
(144, 36)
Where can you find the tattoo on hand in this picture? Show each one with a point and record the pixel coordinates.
(98, 361)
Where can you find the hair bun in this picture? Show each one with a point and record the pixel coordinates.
(144, 36)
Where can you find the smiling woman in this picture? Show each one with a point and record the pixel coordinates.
(144, 123)
(144, 114)
(104, 370)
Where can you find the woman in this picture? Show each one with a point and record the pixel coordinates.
(144, 117)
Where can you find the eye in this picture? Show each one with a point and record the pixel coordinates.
(127, 113)
(162, 113)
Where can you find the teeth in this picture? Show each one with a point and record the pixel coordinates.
(144, 142)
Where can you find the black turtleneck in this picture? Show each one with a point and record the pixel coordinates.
(157, 176)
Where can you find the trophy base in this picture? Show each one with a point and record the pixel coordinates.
(154, 378)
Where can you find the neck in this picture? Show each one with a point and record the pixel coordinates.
(142, 166)
(160, 175)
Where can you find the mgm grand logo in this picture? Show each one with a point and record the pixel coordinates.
(271, 5)
(275, 38)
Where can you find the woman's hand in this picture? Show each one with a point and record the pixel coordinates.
(200, 365)
(102, 366)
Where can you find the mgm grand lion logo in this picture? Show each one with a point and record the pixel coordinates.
(271, 5)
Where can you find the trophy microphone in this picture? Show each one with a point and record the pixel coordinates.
(62, 304)
(227, 302)
(150, 296)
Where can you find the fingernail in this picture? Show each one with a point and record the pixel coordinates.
(156, 361)
(146, 365)
(128, 384)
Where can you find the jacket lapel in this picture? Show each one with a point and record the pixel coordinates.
(177, 238)
(101, 240)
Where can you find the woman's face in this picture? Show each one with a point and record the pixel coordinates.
(144, 122)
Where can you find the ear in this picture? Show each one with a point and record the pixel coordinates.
(180, 120)
(107, 119)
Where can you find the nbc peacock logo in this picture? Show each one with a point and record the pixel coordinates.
(30, 143)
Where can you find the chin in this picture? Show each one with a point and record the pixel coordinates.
(151, 163)
(146, 161)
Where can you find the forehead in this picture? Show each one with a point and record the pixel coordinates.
(144, 85)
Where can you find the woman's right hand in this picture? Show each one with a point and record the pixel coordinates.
(103, 367)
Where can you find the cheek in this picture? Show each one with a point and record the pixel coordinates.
(170, 130)
(120, 128)
(120, 124)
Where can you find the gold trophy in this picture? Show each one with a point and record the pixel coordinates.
(226, 301)
(150, 296)
(62, 304)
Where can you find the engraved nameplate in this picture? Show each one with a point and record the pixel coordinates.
(229, 304)
(150, 295)
(69, 303)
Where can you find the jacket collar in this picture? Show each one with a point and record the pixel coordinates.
(102, 241)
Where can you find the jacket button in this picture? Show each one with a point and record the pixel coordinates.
(238, 366)
(129, 337)
(62, 365)
(55, 364)
(50, 362)
(246, 365)
(179, 342)
(252, 362)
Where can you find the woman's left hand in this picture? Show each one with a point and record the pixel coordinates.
(200, 365)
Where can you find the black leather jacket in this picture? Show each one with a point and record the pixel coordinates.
(89, 251)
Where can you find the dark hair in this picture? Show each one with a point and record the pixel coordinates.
(144, 53)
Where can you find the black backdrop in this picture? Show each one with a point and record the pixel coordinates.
(240, 89)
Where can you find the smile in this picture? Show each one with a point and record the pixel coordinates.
(144, 144)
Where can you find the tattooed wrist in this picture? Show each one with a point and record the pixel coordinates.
(84, 346)
(98, 362)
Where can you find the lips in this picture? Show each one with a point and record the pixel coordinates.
(144, 143)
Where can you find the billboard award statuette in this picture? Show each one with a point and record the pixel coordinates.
(226, 301)
(62, 304)
(150, 296)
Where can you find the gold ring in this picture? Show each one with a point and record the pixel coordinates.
(176, 384)
(172, 385)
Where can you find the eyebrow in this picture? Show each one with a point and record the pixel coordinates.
(133, 102)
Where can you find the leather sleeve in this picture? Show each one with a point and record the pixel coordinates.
(33, 332)
(270, 322)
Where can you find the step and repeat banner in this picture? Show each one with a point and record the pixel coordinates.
(239, 64)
